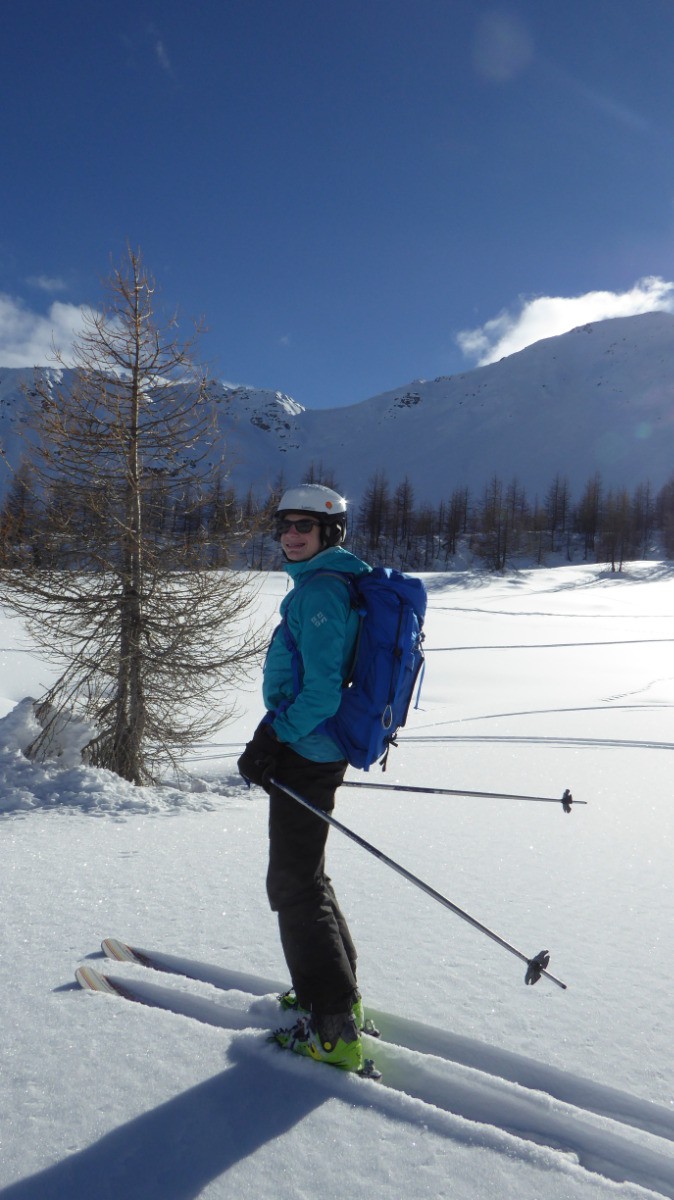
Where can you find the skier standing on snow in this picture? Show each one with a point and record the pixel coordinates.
(289, 746)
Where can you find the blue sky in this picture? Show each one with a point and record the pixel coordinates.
(352, 193)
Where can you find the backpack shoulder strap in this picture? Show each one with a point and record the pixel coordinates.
(347, 578)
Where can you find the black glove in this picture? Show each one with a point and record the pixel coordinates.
(258, 761)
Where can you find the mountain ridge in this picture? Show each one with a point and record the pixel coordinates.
(597, 399)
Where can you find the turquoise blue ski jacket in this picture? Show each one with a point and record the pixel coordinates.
(324, 626)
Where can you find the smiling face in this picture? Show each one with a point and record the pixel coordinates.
(298, 547)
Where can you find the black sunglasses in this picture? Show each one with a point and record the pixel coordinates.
(304, 525)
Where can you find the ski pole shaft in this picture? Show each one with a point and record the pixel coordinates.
(536, 965)
(566, 800)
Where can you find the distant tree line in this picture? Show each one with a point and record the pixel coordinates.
(501, 524)
(497, 526)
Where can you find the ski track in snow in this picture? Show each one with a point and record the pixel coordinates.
(548, 645)
(570, 741)
(539, 712)
(455, 1074)
(566, 616)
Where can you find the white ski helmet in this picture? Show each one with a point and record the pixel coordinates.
(321, 502)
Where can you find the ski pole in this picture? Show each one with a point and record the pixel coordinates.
(566, 801)
(536, 966)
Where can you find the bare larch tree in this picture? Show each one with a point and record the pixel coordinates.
(151, 639)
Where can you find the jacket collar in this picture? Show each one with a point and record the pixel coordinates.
(296, 569)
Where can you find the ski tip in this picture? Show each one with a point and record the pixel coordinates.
(122, 952)
(93, 981)
(113, 948)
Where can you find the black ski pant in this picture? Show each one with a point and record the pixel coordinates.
(317, 945)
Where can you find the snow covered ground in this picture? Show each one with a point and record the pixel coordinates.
(537, 681)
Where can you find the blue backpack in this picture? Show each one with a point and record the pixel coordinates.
(387, 660)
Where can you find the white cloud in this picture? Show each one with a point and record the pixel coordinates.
(27, 339)
(549, 316)
(47, 283)
(159, 46)
(162, 55)
(503, 46)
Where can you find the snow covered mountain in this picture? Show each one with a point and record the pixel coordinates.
(600, 398)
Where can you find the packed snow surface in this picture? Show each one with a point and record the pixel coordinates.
(536, 682)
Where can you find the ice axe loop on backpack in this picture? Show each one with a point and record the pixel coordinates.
(536, 966)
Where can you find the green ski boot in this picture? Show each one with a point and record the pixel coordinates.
(336, 1041)
(289, 1003)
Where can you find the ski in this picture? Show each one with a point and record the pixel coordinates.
(262, 1010)
(220, 977)
(432, 1077)
(257, 1015)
